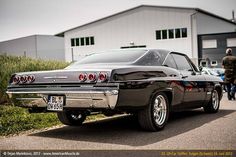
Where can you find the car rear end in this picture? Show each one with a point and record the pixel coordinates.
(64, 89)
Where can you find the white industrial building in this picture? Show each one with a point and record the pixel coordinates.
(172, 28)
(47, 47)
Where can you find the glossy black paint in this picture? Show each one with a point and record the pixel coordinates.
(137, 83)
(185, 89)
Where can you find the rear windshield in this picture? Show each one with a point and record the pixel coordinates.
(113, 56)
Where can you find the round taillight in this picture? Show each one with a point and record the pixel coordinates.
(102, 77)
(82, 77)
(23, 79)
(16, 79)
(92, 77)
(30, 78)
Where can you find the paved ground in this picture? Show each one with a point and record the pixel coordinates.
(185, 130)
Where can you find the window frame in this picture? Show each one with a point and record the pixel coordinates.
(178, 30)
(172, 34)
(82, 41)
(182, 32)
(193, 67)
(92, 40)
(209, 44)
(77, 41)
(87, 41)
(158, 33)
(72, 42)
(164, 34)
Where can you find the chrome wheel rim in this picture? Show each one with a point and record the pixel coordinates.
(215, 99)
(159, 110)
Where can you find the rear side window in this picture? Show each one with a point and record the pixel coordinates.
(182, 62)
(153, 58)
(170, 62)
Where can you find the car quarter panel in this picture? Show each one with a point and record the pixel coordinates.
(139, 84)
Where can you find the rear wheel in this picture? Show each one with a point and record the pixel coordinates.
(73, 118)
(214, 104)
(154, 117)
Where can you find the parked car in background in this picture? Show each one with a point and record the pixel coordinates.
(149, 83)
(209, 71)
(219, 72)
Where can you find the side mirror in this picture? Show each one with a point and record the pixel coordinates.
(200, 68)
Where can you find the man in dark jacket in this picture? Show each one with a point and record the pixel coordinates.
(229, 64)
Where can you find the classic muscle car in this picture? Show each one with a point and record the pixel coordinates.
(149, 83)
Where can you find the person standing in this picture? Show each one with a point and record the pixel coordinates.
(229, 64)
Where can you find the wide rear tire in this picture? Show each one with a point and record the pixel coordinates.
(214, 103)
(72, 118)
(155, 116)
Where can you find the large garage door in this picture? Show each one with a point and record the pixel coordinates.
(212, 47)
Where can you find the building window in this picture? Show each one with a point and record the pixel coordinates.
(92, 40)
(164, 34)
(72, 42)
(77, 41)
(171, 33)
(212, 43)
(231, 42)
(82, 41)
(177, 33)
(184, 32)
(158, 34)
(87, 40)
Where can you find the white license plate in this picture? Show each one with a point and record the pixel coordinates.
(55, 103)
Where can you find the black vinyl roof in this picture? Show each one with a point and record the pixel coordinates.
(153, 6)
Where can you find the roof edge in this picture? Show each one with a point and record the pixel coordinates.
(28, 36)
(214, 15)
(61, 34)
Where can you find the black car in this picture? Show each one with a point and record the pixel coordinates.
(149, 83)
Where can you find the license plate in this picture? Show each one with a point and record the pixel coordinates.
(55, 103)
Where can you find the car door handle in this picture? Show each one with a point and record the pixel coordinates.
(183, 77)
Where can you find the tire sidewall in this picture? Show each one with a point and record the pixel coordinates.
(159, 127)
(209, 107)
(211, 102)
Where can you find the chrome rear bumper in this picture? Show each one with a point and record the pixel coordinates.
(82, 98)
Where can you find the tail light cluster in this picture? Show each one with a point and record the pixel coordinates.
(93, 77)
(23, 79)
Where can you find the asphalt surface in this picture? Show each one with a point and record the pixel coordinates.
(185, 130)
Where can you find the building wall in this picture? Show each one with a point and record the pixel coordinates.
(210, 25)
(46, 47)
(50, 47)
(19, 47)
(137, 26)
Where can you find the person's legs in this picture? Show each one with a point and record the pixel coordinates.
(233, 90)
(228, 86)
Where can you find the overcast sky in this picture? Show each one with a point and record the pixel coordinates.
(19, 18)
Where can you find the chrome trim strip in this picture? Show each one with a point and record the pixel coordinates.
(28, 98)
(55, 77)
(60, 92)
